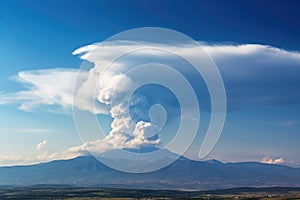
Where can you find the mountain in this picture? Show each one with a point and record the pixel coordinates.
(182, 174)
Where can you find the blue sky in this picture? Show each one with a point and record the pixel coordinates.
(263, 104)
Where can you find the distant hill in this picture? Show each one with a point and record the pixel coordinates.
(182, 174)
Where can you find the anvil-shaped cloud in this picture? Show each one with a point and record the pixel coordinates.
(254, 75)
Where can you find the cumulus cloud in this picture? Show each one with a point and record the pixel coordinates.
(269, 160)
(10, 160)
(244, 68)
(114, 90)
(41, 145)
(278, 161)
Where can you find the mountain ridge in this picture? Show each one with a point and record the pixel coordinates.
(182, 174)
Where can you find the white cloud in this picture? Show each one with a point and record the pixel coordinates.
(278, 161)
(113, 90)
(41, 145)
(34, 130)
(50, 88)
(244, 69)
(120, 140)
(269, 160)
(43, 87)
(12, 160)
(63, 155)
(289, 123)
(239, 63)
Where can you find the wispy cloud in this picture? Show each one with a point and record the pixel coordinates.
(289, 122)
(48, 89)
(11, 160)
(34, 130)
(43, 87)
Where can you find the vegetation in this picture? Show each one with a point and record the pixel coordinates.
(126, 194)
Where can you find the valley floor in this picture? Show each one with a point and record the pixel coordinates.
(126, 194)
